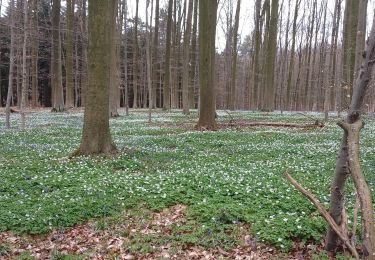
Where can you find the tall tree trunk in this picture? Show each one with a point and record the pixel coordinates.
(156, 57)
(269, 91)
(167, 72)
(207, 34)
(232, 105)
(25, 89)
(34, 55)
(329, 103)
(11, 65)
(186, 60)
(125, 61)
(135, 59)
(84, 81)
(292, 53)
(148, 62)
(354, 114)
(321, 76)
(305, 94)
(114, 91)
(257, 50)
(96, 137)
(193, 67)
(56, 66)
(69, 53)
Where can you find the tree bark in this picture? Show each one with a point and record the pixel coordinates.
(148, 63)
(114, 91)
(269, 91)
(156, 57)
(25, 89)
(56, 66)
(11, 65)
(135, 59)
(207, 33)
(193, 67)
(34, 56)
(96, 137)
(354, 114)
(69, 53)
(167, 72)
(232, 105)
(186, 61)
(364, 193)
(291, 61)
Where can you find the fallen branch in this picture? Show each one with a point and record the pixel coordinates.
(14, 110)
(275, 124)
(343, 236)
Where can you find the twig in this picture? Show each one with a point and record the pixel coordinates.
(343, 236)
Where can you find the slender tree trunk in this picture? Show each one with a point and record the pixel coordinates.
(114, 91)
(56, 66)
(269, 94)
(156, 57)
(69, 53)
(207, 35)
(126, 92)
(11, 65)
(167, 72)
(148, 63)
(354, 114)
(292, 53)
(34, 56)
(84, 69)
(232, 105)
(186, 60)
(193, 67)
(135, 60)
(25, 91)
(96, 137)
(257, 50)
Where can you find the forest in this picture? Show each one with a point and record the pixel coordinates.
(187, 129)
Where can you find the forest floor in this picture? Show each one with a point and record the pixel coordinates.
(171, 191)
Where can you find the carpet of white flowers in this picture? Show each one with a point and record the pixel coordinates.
(226, 178)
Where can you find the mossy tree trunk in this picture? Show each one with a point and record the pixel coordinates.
(207, 34)
(96, 137)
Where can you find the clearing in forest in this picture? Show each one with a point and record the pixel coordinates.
(224, 190)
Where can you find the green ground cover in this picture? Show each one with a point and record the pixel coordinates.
(226, 178)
